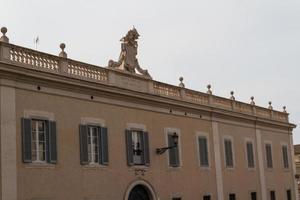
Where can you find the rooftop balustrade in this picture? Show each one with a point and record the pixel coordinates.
(61, 65)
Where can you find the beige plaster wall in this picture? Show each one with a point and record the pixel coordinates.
(70, 180)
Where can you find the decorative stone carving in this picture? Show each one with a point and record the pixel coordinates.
(127, 59)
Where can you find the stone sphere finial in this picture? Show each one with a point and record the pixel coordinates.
(252, 101)
(63, 54)
(3, 30)
(209, 89)
(181, 84)
(270, 105)
(232, 95)
(3, 37)
(62, 46)
(284, 109)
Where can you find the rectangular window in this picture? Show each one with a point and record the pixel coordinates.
(228, 153)
(253, 196)
(231, 196)
(93, 144)
(203, 151)
(272, 195)
(269, 156)
(289, 195)
(39, 141)
(250, 154)
(174, 159)
(206, 197)
(285, 157)
(137, 146)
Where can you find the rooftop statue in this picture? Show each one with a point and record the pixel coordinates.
(127, 59)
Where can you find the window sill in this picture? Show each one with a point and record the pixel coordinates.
(230, 168)
(141, 167)
(170, 168)
(205, 168)
(286, 169)
(94, 167)
(39, 165)
(251, 169)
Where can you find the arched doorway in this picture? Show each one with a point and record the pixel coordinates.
(139, 192)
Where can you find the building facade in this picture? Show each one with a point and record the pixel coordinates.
(71, 130)
(297, 163)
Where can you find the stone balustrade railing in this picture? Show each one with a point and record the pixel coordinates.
(28, 58)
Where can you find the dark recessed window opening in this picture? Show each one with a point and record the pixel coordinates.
(231, 196)
(253, 196)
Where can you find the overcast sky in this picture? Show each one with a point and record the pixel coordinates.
(249, 46)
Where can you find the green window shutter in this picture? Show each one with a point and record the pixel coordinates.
(129, 148)
(173, 153)
(103, 146)
(250, 155)
(26, 140)
(145, 148)
(203, 148)
(285, 157)
(228, 153)
(269, 156)
(51, 145)
(83, 131)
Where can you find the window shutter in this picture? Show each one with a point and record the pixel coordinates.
(269, 156)
(129, 148)
(250, 155)
(173, 153)
(103, 146)
(228, 153)
(83, 129)
(145, 143)
(26, 140)
(203, 148)
(285, 157)
(51, 147)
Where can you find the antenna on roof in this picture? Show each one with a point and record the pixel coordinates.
(36, 41)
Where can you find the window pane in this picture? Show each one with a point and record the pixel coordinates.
(42, 156)
(289, 194)
(41, 126)
(231, 196)
(33, 156)
(253, 195)
(272, 195)
(206, 197)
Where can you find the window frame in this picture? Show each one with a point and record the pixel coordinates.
(206, 136)
(37, 141)
(99, 124)
(230, 138)
(138, 132)
(250, 140)
(141, 128)
(170, 131)
(266, 143)
(48, 118)
(92, 162)
(287, 154)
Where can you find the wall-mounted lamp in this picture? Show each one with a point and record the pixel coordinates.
(160, 151)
